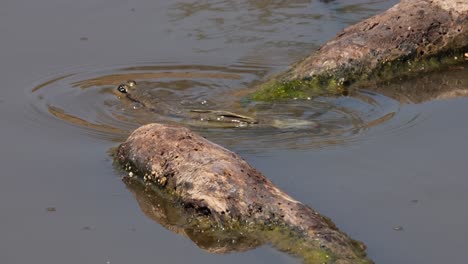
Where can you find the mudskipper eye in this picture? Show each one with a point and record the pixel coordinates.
(122, 88)
(131, 83)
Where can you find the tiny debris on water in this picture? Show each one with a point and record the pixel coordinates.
(51, 209)
(84, 39)
(398, 228)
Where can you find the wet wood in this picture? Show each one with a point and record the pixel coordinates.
(412, 28)
(215, 182)
(412, 37)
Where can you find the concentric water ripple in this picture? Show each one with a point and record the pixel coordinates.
(88, 100)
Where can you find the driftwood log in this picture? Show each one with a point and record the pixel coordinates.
(221, 189)
(412, 37)
(209, 194)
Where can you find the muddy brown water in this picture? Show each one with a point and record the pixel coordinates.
(388, 168)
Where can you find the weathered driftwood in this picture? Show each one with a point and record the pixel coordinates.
(221, 188)
(413, 36)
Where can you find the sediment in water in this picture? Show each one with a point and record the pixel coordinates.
(412, 37)
(219, 189)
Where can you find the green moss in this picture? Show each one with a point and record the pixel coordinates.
(411, 66)
(341, 80)
(298, 88)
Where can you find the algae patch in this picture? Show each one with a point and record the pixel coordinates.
(277, 89)
(230, 235)
(342, 80)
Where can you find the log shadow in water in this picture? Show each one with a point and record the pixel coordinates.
(447, 84)
(223, 239)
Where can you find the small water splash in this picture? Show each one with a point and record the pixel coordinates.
(89, 101)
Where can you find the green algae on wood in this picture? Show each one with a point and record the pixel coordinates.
(277, 89)
(342, 81)
(219, 188)
(232, 235)
(413, 37)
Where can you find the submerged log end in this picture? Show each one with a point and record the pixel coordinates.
(217, 184)
(413, 37)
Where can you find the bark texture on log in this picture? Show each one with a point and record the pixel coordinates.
(215, 183)
(412, 36)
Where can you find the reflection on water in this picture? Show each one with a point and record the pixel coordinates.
(59, 113)
(272, 32)
(91, 102)
(234, 237)
(245, 21)
(449, 83)
(162, 209)
(252, 18)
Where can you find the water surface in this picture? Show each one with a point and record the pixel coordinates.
(376, 161)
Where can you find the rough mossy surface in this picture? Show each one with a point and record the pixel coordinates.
(278, 89)
(342, 81)
(413, 37)
(411, 66)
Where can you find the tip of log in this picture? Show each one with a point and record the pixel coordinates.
(409, 39)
